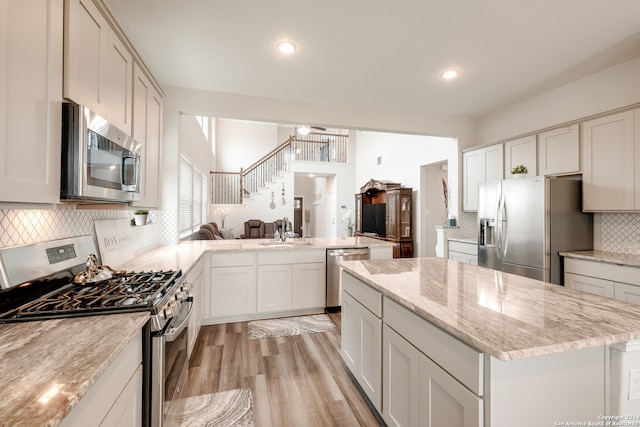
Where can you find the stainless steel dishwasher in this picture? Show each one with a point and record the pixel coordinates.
(333, 272)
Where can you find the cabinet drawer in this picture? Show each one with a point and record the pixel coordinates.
(365, 295)
(233, 259)
(628, 293)
(288, 256)
(463, 362)
(465, 248)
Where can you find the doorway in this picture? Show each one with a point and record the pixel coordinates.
(432, 204)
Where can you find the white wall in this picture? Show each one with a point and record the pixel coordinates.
(242, 143)
(614, 88)
(194, 145)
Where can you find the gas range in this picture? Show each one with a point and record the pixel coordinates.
(62, 278)
(27, 294)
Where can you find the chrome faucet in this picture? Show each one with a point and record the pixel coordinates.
(285, 228)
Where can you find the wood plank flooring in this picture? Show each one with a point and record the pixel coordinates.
(294, 381)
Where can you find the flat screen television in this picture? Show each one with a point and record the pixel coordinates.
(373, 219)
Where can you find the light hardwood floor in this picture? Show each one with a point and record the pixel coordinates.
(295, 381)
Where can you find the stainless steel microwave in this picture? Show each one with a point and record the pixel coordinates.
(99, 161)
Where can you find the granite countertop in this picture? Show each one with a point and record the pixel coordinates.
(184, 255)
(70, 354)
(630, 260)
(507, 316)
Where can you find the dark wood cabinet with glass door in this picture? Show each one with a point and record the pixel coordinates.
(397, 227)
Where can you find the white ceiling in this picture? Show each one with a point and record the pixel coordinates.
(381, 54)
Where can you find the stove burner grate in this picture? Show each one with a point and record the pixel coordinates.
(124, 292)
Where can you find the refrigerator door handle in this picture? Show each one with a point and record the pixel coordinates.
(500, 232)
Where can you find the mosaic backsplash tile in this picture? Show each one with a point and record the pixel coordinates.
(24, 226)
(620, 233)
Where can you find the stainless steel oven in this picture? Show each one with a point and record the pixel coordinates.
(99, 161)
(170, 356)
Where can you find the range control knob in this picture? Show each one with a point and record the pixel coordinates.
(180, 296)
(168, 312)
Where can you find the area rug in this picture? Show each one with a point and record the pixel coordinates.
(289, 326)
(223, 409)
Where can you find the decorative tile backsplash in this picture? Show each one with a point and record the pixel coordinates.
(24, 226)
(620, 232)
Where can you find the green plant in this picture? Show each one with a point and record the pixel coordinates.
(141, 212)
(520, 169)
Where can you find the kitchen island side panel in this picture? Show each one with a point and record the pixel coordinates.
(547, 390)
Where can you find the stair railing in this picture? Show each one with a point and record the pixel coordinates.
(233, 187)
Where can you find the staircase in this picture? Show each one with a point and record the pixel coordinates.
(236, 187)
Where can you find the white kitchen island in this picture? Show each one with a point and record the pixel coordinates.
(435, 342)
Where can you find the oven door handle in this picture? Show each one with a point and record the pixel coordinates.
(173, 333)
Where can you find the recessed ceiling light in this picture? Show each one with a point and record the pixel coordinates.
(286, 47)
(450, 74)
(304, 130)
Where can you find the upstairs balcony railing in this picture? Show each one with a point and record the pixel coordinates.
(233, 187)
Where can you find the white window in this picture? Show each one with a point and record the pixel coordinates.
(193, 198)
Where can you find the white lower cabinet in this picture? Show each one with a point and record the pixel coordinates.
(254, 285)
(274, 288)
(444, 401)
(401, 379)
(362, 337)
(391, 354)
(606, 279)
(232, 290)
(309, 285)
(116, 397)
(417, 392)
(593, 285)
(628, 293)
(291, 280)
(463, 252)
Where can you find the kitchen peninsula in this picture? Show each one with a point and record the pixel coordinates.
(449, 343)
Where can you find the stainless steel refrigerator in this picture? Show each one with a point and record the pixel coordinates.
(523, 223)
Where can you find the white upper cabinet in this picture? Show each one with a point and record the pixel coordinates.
(98, 67)
(30, 100)
(481, 165)
(521, 151)
(559, 151)
(118, 83)
(147, 130)
(85, 43)
(608, 164)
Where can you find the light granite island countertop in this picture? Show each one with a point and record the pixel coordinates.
(535, 337)
(49, 365)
